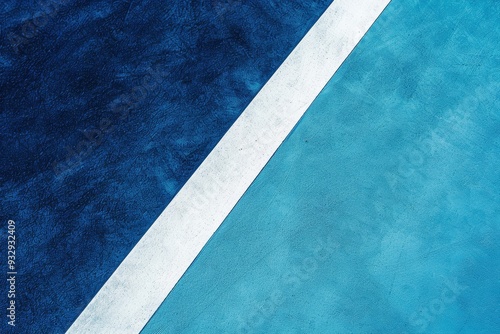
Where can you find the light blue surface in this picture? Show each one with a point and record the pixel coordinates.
(380, 212)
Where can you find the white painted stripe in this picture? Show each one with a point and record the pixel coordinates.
(148, 274)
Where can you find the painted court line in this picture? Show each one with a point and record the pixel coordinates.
(148, 274)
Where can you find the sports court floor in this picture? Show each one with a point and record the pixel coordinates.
(340, 187)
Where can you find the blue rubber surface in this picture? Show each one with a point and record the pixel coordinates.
(380, 213)
(107, 108)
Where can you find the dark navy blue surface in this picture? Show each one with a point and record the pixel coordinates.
(89, 158)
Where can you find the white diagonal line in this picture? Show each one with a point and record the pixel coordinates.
(148, 274)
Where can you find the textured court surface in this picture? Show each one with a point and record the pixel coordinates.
(379, 213)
